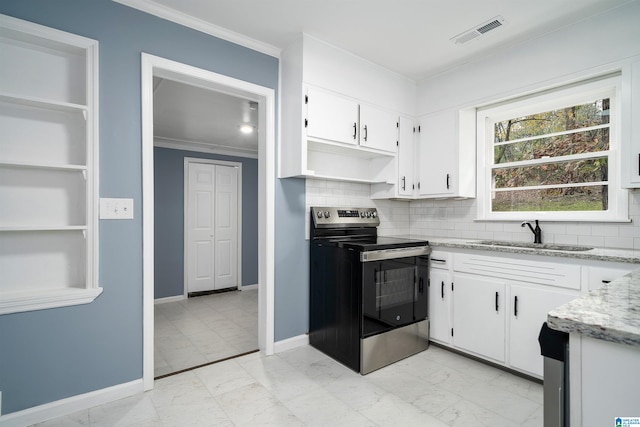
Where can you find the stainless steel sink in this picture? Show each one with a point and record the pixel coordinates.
(546, 246)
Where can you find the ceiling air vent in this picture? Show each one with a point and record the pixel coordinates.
(479, 30)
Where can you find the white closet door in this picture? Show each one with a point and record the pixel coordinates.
(200, 266)
(212, 227)
(226, 227)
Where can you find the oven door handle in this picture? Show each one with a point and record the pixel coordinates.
(394, 253)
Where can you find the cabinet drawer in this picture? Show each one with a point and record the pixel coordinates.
(528, 271)
(440, 260)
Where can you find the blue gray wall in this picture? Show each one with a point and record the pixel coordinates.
(52, 354)
(169, 219)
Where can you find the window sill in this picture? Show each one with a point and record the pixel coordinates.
(21, 301)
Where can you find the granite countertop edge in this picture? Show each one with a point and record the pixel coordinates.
(598, 254)
(611, 313)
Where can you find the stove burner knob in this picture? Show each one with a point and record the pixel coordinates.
(319, 214)
(374, 214)
(362, 214)
(369, 214)
(327, 214)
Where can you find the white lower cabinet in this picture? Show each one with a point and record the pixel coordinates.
(440, 306)
(527, 312)
(493, 306)
(479, 316)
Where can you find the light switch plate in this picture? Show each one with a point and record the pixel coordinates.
(116, 208)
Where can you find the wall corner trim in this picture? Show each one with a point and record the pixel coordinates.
(291, 343)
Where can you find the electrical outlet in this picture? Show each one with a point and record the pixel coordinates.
(116, 208)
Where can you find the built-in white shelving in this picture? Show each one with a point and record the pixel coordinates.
(48, 167)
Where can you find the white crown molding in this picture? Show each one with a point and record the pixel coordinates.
(173, 15)
(203, 147)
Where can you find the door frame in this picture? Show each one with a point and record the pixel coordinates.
(265, 97)
(187, 163)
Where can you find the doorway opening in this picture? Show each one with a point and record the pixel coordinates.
(153, 66)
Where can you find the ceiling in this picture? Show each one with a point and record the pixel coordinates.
(202, 119)
(410, 37)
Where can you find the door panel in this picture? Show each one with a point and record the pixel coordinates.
(479, 316)
(226, 229)
(212, 227)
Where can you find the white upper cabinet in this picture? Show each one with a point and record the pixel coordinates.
(631, 126)
(404, 185)
(447, 155)
(406, 157)
(331, 117)
(48, 167)
(378, 128)
(339, 115)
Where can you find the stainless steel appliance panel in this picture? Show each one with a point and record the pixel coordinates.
(381, 350)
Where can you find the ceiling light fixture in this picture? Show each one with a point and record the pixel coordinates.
(246, 129)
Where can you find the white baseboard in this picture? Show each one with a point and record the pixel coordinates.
(290, 343)
(169, 299)
(67, 406)
(248, 287)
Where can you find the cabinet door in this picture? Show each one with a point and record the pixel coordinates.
(528, 311)
(601, 275)
(631, 131)
(439, 306)
(479, 316)
(331, 117)
(437, 145)
(406, 157)
(378, 129)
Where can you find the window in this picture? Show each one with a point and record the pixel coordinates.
(552, 156)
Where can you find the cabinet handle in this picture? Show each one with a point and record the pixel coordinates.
(606, 281)
(497, 296)
(448, 179)
(355, 130)
(404, 182)
(515, 306)
(365, 133)
(442, 289)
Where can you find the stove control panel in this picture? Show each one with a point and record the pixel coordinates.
(328, 217)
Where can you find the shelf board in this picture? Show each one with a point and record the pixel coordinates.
(346, 150)
(67, 167)
(39, 299)
(49, 104)
(44, 228)
(312, 175)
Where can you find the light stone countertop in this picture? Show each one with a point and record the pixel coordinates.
(598, 254)
(611, 313)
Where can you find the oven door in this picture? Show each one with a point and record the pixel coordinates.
(394, 293)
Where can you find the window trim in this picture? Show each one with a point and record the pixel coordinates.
(559, 97)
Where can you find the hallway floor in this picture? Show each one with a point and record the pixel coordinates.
(204, 329)
(303, 387)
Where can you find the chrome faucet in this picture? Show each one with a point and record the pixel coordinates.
(537, 232)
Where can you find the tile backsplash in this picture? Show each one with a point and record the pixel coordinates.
(455, 219)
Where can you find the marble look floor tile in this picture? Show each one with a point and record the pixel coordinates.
(304, 387)
(435, 401)
(204, 329)
(133, 410)
(465, 414)
(255, 405)
(224, 377)
(393, 412)
(356, 391)
(500, 401)
(520, 386)
(333, 411)
(77, 419)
